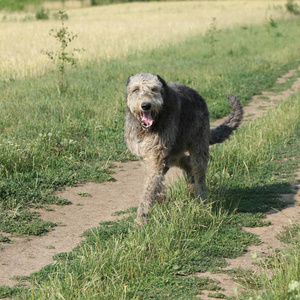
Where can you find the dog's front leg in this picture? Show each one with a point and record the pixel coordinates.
(154, 188)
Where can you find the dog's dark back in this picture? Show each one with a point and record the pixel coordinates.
(189, 113)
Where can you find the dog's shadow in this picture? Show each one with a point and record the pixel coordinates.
(256, 199)
(236, 199)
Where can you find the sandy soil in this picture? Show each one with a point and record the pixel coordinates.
(29, 254)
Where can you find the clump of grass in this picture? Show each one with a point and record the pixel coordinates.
(273, 23)
(292, 7)
(217, 295)
(290, 234)
(4, 239)
(129, 210)
(84, 194)
(23, 222)
(280, 275)
(42, 14)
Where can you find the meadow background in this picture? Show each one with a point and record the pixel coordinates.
(52, 137)
(118, 31)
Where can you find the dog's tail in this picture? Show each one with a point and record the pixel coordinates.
(222, 132)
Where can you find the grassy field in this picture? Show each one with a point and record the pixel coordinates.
(51, 139)
(120, 261)
(29, 5)
(80, 132)
(111, 32)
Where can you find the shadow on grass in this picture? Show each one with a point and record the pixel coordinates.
(248, 205)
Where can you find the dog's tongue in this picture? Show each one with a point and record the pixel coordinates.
(147, 118)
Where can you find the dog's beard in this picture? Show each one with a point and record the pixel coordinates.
(146, 119)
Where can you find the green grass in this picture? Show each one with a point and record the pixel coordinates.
(49, 140)
(121, 261)
(18, 4)
(290, 234)
(286, 85)
(284, 265)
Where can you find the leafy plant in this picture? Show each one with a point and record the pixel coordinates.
(211, 33)
(273, 23)
(293, 7)
(63, 57)
(84, 194)
(42, 14)
(4, 239)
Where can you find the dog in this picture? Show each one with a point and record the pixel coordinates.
(167, 124)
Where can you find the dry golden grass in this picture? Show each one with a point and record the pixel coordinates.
(67, 5)
(117, 30)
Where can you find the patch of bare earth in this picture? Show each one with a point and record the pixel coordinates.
(26, 255)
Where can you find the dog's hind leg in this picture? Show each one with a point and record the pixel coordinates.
(154, 188)
(199, 162)
(184, 163)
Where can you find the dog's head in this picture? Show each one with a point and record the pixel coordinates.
(144, 97)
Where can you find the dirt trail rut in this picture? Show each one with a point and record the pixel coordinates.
(26, 255)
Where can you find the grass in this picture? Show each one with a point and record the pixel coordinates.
(287, 84)
(17, 4)
(49, 140)
(83, 131)
(281, 271)
(109, 30)
(121, 261)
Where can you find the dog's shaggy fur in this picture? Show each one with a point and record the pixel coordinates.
(164, 122)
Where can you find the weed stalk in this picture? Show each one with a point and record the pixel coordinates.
(212, 36)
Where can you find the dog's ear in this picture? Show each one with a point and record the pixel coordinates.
(162, 81)
(128, 79)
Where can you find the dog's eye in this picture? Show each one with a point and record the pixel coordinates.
(135, 90)
(155, 90)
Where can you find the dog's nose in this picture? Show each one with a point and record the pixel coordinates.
(146, 105)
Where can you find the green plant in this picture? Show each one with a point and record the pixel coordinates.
(58, 16)
(63, 57)
(42, 14)
(211, 33)
(292, 7)
(84, 194)
(4, 239)
(273, 23)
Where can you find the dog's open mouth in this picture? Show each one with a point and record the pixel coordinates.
(146, 119)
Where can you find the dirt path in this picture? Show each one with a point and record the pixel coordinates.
(26, 255)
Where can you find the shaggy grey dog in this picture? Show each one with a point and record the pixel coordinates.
(167, 124)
